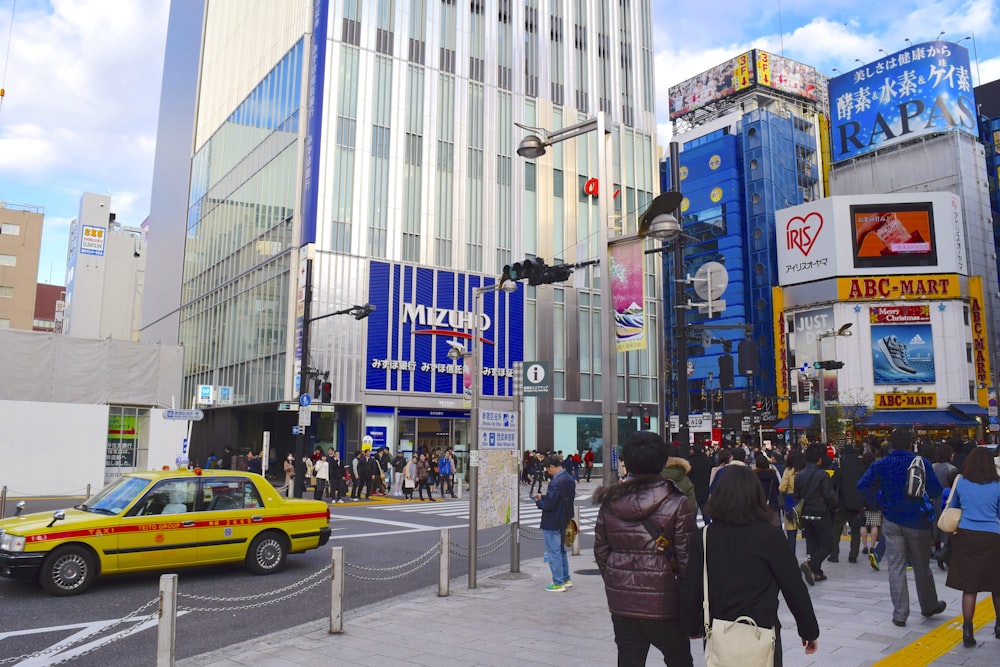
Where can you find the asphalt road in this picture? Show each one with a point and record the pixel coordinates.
(373, 536)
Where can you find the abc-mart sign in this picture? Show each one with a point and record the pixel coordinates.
(423, 313)
(865, 235)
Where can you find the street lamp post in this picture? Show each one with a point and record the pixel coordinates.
(843, 331)
(473, 358)
(534, 146)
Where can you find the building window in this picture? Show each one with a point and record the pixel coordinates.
(4, 323)
(10, 229)
(6, 292)
(8, 260)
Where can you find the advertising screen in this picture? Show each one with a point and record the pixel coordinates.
(717, 83)
(896, 235)
(902, 353)
(920, 90)
(786, 75)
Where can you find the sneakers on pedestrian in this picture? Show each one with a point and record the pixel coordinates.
(567, 584)
(807, 573)
(941, 606)
(895, 354)
(873, 561)
(555, 588)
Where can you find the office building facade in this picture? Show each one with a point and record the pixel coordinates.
(349, 153)
(20, 248)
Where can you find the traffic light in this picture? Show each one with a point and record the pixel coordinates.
(828, 365)
(645, 420)
(326, 393)
(726, 371)
(535, 271)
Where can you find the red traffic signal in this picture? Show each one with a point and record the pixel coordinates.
(326, 393)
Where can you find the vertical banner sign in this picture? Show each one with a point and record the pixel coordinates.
(780, 349)
(314, 115)
(628, 295)
(980, 349)
(122, 436)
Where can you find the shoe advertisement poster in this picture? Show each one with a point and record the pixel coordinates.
(903, 353)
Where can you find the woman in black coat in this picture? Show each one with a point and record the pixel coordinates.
(749, 561)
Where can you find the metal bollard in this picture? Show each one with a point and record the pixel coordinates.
(336, 590)
(576, 540)
(444, 570)
(166, 630)
(3, 501)
(515, 547)
(88, 490)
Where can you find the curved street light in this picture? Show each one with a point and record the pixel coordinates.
(842, 332)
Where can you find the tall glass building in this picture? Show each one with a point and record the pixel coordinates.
(349, 153)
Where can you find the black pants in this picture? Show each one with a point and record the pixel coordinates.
(634, 636)
(820, 541)
(320, 488)
(852, 518)
(424, 484)
(589, 470)
(539, 478)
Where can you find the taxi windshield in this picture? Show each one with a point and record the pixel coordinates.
(116, 496)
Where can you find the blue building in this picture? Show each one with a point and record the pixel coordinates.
(744, 155)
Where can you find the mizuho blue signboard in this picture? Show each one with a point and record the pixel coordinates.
(922, 89)
(421, 314)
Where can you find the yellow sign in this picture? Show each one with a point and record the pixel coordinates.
(930, 286)
(908, 401)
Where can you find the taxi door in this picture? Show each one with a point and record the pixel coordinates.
(231, 515)
(160, 530)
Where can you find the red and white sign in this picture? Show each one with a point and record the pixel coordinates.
(899, 314)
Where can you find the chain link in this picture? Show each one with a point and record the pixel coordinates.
(430, 556)
(47, 652)
(462, 551)
(531, 533)
(436, 549)
(259, 596)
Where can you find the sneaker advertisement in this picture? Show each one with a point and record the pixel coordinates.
(903, 353)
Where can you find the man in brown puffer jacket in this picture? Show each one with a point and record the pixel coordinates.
(642, 581)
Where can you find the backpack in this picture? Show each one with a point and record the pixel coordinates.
(916, 478)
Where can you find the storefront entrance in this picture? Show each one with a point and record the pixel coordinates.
(428, 434)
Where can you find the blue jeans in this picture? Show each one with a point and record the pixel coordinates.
(556, 551)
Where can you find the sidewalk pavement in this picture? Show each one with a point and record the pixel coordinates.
(509, 619)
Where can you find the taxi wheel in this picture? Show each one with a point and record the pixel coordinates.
(267, 553)
(68, 570)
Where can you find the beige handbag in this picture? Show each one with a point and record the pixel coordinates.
(739, 643)
(948, 521)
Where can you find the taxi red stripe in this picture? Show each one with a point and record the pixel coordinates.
(169, 525)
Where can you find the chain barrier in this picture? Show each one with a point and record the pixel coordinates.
(462, 551)
(256, 605)
(47, 653)
(259, 596)
(531, 533)
(13, 494)
(427, 557)
(434, 550)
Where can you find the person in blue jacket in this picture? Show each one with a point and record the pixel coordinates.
(906, 524)
(557, 510)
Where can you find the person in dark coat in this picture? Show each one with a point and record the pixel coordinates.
(640, 580)
(749, 562)
(850, 503)
(701, 470)
(815, 486)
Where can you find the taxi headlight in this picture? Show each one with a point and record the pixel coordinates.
(13, 543)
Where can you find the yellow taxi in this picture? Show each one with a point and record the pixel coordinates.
(162, 520)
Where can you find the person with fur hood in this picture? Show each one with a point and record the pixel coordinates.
(677, 470)
(643, 544)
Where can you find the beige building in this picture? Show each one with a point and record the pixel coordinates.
(20, 246)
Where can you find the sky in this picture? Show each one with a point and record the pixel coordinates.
(82, 81)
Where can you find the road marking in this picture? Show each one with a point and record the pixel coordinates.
(422, 529)
(68, 648)
(938, 641)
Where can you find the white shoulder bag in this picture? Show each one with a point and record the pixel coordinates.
(739, 643)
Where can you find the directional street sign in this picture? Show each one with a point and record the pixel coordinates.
(305, 416)
(535, 375)
(287, 407)
(497, 430)
(187, 415)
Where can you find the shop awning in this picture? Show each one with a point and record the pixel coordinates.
(916, 418)
(969, 410)
(798, 422)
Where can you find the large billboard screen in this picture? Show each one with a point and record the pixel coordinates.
(922, 89)
(754, 67)
(786, 75)
(713, 85)
(893, 235)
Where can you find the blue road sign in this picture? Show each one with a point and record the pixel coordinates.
(305, 400)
